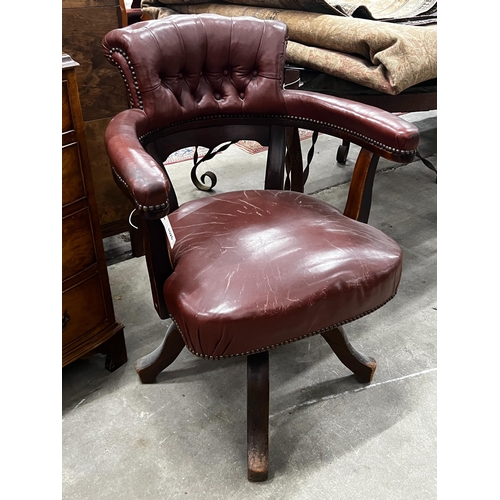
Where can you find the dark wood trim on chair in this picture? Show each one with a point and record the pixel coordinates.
(359, 199)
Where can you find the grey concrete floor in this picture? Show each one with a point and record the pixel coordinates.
(330, 437)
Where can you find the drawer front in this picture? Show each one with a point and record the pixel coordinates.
(67, 117)
(83, 309)
(73, 187)
(78, 249)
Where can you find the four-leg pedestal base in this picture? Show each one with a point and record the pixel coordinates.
(361, 365)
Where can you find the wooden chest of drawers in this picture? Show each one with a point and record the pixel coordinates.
(102, 96)
(89, 323)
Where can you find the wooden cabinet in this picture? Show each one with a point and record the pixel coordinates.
(89, 325)
(102, 96)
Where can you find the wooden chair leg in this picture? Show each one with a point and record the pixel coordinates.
(148, 367)
(258, 416)
(359, 198)
(293, 161)
(362, 366)
(275, 164)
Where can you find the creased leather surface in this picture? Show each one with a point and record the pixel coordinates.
(198, 66)
(401, 134)
(253, 269)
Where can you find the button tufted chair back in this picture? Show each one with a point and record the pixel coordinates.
(202, 80)
(201, 65)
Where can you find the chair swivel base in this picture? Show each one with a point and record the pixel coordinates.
(151, 365)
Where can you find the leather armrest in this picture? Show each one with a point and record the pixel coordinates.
(372, 128)
(147, 185)
(139, 175)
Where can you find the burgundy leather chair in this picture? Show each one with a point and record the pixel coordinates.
(249, 270)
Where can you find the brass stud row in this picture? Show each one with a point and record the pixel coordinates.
(273, 346)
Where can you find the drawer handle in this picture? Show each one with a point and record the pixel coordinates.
(65, 320)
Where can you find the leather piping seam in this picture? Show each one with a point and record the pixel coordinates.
(285, 342)
(143, 208)
(338, 128)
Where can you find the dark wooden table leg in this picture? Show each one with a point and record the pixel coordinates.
(258, 416)
(148, 367)
(362, 366)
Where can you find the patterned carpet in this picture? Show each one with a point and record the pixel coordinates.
(250, 147)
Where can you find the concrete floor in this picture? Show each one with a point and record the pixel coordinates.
(330, 437)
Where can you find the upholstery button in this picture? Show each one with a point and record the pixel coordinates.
(225, 72)
(254, 73)
(217, 96)
(242, 95)
(180, 76)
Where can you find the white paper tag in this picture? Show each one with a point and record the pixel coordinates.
(169, 231)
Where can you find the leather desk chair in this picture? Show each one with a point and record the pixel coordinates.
(250, 270)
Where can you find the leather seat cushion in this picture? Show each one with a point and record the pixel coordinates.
(257, 269)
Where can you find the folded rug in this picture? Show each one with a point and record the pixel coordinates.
(383, 56)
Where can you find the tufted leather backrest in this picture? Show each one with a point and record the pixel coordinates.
(182, 67)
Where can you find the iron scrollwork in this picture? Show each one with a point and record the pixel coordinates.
(200, 183)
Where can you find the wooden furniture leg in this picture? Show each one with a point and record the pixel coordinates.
(258, 416)
(148, 367)
(362, 366)
(115, 351)
(275, 165)
(293, 161)
(343, 151)
(359, 199)
(136, 233)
